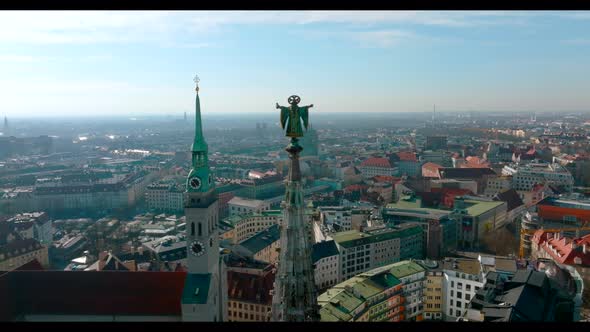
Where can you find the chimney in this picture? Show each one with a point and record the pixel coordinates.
(584, 248)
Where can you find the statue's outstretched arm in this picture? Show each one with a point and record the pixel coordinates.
(278, 106)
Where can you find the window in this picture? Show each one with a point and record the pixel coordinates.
(193, 229)
(451, 302)
(468, 287)
(452, 293)
(452, 284)
(458, 313)
(450, 312)
(200, 230)
(467, 297)
(459, 295)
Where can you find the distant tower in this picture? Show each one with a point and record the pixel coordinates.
(309, 142)
(184, 116)
(5, 129)
(205, 288)
(433, 114)
(295, 296)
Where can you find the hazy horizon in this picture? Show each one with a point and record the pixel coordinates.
(139, 63)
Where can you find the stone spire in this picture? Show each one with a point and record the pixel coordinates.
(199, 151)
(295, 296)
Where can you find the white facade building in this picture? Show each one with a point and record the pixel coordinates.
(326, 260)
(239, 205)
(525, 177)
(462, 279)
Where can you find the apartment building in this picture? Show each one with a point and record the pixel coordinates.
(378, 246)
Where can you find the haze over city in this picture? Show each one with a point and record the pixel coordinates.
(304, 166)
(85, 63)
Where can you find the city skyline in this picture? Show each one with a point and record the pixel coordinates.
(140, 62)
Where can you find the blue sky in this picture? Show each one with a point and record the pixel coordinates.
(136, 62)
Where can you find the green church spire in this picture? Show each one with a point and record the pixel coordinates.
(199, 178)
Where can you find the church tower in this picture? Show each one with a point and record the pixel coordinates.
(294, 294)
(204, 288)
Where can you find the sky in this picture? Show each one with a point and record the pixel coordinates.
(77, 63)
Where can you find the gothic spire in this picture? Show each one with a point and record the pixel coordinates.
(199, 178)
(199, 141)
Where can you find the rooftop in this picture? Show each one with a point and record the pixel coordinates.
(323, 249)
(261, 239)
(476, 208)
(405, 268)
(464, 265)
(196, 288)
(250, 287)
(566, 203)
(339, 302)
(137, 293)
(251, 203)
(355, 238)
(376, 162)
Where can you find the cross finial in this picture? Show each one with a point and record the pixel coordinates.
(197, 80)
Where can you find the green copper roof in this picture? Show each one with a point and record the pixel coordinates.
(478, 207)
(355, 238)
(405, 268)
(340, 302)
(200, 158)
(191, 284)
(199, 141)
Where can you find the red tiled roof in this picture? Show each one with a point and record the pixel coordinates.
(355, 187)
(377, 162)
(407, 156)
(250, 287)
(448, 195)
(91, 293)
(431, 165)
(386, 178)
(564, 254)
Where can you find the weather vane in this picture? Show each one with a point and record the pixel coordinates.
(197, 80)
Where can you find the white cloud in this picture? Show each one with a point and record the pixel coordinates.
(577, 41)
(82, 27)
(20, 58)
(381, 38)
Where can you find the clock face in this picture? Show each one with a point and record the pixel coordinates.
(197, 248)
(195, 183)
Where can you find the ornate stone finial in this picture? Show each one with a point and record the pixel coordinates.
(197, 80)
(294, 100)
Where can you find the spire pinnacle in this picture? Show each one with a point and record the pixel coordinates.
(197, 80)
(199, 178)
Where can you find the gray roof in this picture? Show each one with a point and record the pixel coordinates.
(323, 249)
(261, 239)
